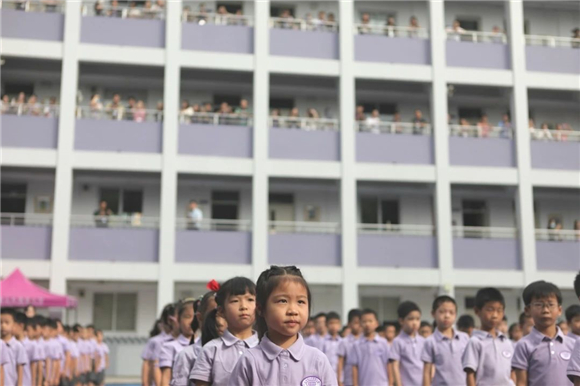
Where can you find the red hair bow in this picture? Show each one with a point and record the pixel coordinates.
(213, 286)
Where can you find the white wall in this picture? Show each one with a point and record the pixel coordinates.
(210, 6)
(401, 10)
(500, 208)
(553, 22)
(325, 197)
(37, 184)
(415, 205)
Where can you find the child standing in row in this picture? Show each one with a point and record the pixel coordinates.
(573, 371)
(321, 332)
(344, 373)
(407, 347)
(17, 370)
(333, 339)
(573, 319)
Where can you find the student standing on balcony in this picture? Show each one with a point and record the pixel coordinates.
(390, 27)
(194, 216)
(365, 27)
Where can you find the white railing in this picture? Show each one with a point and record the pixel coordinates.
(216, 119)
(122, 12)
(477, 36)
(134, 220)
(480, 132)
(202, 18)
(394, 128)
(558, 234)
(308, 124)
(484, 232)
(555, 135)
(552, 41)
(397, 229)
(214, 225)
(36, 110)
(391, 31)
(119, 114)
(303, 227)
(29, 219)
(303, 25)
(33, 6)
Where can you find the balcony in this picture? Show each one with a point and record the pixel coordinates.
(118, 130)
(304, 138)
(481, 146)
(397, 246)
(304, 243)
(30, 128)
(217, 33)
(123, 26)
(477, 49)
(555, 149)
(26, 236)
(213, 241)
(304, 39)
(130, 238)
(32, 20)
(558, 250)
(394, 142)
(554, 54)
(485, 248)
(392, 44)
(214, 134)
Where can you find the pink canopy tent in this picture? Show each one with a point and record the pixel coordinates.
(17, 291)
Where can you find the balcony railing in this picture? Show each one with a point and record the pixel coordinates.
(484, 232)
(393, 128)
(555, 135)
(134, 220)
(203, 18)
(119, 114)
(477, 36)
(216, 119)
(303, 25)
(33, 6)
(308, 124)
(214, 225)
(552, 41)
(303, 227)
(35, 110)
(28, 219)
(397, 229)
(480, 131)
(558, 235)
(391, 31)
(122, 12)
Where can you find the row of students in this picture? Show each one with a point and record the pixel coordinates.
(39, 351)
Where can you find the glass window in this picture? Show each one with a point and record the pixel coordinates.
(115, 311)
(103, 311)
(126, 312)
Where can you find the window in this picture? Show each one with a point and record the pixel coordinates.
(13, 89)
(376, 211)
(283, 104)
(123, 200)
(13, 198)
(369, 211)
(133, 201)
(472, 114)
(232, 100)
(390, 212)
(115, 311)
(384, 108)
(474, 213)
(224, 205)
(468, 24)
(230, 7)
(276, 11)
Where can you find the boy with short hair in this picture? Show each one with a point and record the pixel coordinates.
(541, 358)
(332, 340)
(407, 347)
(426, 329)
(19, 330)
(53, 352)
(488, 355)
(573, 371)
(526, 323)
(34, 350)
(317, 340)
(104, 362)
(345, 348)
(370, 362)
(14, 371)
(573, 319)
(390, 332)
(466, 324)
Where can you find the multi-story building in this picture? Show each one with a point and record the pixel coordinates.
(398, 205)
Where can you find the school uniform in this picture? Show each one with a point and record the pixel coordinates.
(270, 364)
(184, 363)
(93, 354)
(574, 365)
(55, 353)
(371, 358)
(154, 345)
(545, 359)
(84, 359)
(103, 351)
(345, 349)
(33, 350)
(407, 351)
(446, 355)
(4, 356)
(573, 336)
(490, 358)
(74, 354)
(316, 341)
(330, 349)
(17, 354)
(219, 357)
(171, 349)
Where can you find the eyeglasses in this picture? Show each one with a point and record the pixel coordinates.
(541, 306)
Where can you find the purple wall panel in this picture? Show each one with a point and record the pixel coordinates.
(114, 244)
(556, 155)
(394, 148)
(213, 247)
(377, 48)
(123, 32)
(486, 254)
(397, 251)
(119, 136)
(495, 152)
(478, 55)
(32, 25)
(26, 242)
(218, 38)
(34, 132)
(558, 255)
(304, 145)
(304, 44)
(304, 249)
(553, 59)
(220, 140)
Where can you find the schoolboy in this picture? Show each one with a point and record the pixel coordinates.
(466, 324)
(317, 339)
(573, 319)
(14, 371)
(345, 349)
(573, 371)
(407, 347)
(332, 340)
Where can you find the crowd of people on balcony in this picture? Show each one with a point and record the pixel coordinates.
(42, 5)
(456, 32)
(206, 113)
(294, 120)
(221, 16)
(555, 227)
(482, 128)
(552, 132)
(322, 22)
(390, 28)
(134, 110)
(21, 105)
(136, 10)
(373, 123)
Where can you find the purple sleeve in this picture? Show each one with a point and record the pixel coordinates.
(4, 359)
(353, 359)
(21, 357)
(396, 350)
(520, 359)
(574, 365)
(427, 354)
(243, 374)
(326, 374)
(166, 357)
(341, 352)
(202, 369)
(471, 355)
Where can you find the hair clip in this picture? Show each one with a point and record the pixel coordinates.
(213, 285)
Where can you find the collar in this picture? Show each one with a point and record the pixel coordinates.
(403, 335)
(329, 337)
(377, 338)
(12, 341)
(229, 339)
(182, 340)
(483, 335)
(440, 337)
(272, 350)
(537, 337)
